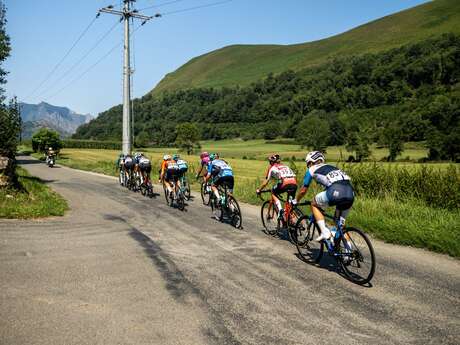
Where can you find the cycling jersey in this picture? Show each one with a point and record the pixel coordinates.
(219, 168)
(144, 164)
(339, 191)
(282, 174)
(183, 166)
(326, 175)
(128, 162)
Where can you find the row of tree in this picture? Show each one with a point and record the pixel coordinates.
(411, 93)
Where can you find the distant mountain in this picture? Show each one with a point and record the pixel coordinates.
(60, 119)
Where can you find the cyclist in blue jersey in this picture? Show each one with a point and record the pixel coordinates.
(221, 173)
(338, 191)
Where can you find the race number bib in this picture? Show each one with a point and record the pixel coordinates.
(336, 176)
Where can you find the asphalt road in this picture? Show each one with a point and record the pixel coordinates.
(123, 269)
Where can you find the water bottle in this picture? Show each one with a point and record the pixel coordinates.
(334, 232)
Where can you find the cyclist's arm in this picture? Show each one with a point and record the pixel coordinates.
(199, 172)
(306, 183)
(264, 184)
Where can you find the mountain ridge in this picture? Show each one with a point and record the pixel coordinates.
(241, 64)
(59, 118)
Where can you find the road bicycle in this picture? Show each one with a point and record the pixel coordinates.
(226, 207)
(271, 220)
(350, 247)
(176, 197)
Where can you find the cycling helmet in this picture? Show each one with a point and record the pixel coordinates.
(274, 158)
(314, 157)
(204, 154)
(166, 157)
(175, 157)
(213, 156)
(50, 148)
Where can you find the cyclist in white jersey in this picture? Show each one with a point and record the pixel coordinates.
(338, 191)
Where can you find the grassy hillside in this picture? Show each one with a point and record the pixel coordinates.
(243, 64)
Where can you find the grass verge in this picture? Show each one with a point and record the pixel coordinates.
(33, 199)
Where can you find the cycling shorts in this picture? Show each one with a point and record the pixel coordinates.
(146, 167)
(340, 195)
(290, 189)
(224, 180)
(129, 164)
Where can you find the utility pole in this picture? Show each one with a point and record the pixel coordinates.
(125, 15)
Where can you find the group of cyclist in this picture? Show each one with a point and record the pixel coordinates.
(217, 172)
(338, 190)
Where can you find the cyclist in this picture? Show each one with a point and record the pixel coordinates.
(169, 174)
(145, 167)
(221, 174)
(338, 191)
(284, 178)
(128, 163)
(204, 161)
(49, 154)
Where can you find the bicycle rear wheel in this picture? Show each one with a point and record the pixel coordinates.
(235, 213)
(269, 218)
(304, 233)
(205, 194)
(357, 257)
(180, 200)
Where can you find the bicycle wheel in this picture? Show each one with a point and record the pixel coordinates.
(235, 213)
(216, 208)
(305, 231)
(269, 218)
(187, 192)
(295, 216)
(205, 194)
(165, 190)
(180, 200)
(357, 257)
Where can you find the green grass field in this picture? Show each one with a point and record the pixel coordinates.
(33, 199)
(243, 64)
(407, 221)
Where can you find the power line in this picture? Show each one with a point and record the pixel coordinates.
(84, 56)
(63, 58)
(196, 7)
(90, 67)
(161, 5)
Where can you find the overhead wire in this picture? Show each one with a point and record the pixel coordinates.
(196, 7)
(63, 58)
(102, 38)
(161, 4)
(90, 67)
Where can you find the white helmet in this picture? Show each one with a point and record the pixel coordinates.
(166, 157)
(314, 157)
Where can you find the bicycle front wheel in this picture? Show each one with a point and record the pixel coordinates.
(356, 256)
(205, 194)
(180, 200)
(235, 213)
(303, 236)
(269, 218)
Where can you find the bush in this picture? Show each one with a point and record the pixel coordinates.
(91, 144)
(439, 188)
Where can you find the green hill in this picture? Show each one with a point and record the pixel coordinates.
(243, 64)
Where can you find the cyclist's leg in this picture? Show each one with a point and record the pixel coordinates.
(276, 192)
(320, 201)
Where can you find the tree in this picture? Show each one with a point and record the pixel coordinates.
(188, 137)
(313, 132)
(10, 128)
(393, 138)
(44, 138)
(10, 119)
(271, 131)
(358, 142)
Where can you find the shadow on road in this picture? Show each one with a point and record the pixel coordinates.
(29, 161)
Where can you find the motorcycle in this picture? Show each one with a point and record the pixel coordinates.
(50, 161)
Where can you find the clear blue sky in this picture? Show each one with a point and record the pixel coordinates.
(42, 31)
